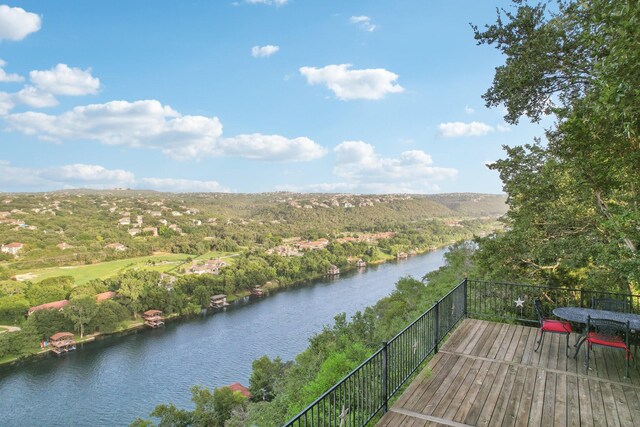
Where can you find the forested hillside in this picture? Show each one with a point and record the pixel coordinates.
(81, 226)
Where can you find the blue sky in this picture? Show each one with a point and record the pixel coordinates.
(373, 96)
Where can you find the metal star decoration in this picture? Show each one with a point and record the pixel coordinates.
(519, 302)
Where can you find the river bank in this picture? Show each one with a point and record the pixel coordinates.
(133, 326)
(211, 350)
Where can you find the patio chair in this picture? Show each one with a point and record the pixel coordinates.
(549, 325)
(608, 333)
(610, 304)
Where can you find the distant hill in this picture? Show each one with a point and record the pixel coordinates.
(473, 204)
(74, 227)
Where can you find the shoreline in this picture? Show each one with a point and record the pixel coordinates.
(139, 325)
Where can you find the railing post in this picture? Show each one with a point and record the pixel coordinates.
(436, 326)
(385, 393)
(581, 298)
(464, 291)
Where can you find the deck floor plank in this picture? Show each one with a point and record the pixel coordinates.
(487, 374)
(514, 398)
(535, 415)
(573, 401)
(433, 393)
(505, 380)
(497, 344)
(548, 401)
(472, 393)
(493, 379)
(447, 396)
(610, 407)
(487, 340)
(560, 401)
(460, 395)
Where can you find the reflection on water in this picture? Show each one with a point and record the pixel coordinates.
(115, 380)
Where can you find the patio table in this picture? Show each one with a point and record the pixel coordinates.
(579, 315)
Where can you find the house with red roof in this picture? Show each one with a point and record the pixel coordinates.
(242, 389)
(12, 248)
(105, 296)
(56, 305)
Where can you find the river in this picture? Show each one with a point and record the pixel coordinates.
(114, 380)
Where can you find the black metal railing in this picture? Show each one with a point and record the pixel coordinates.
(514, 301)
(365, 392)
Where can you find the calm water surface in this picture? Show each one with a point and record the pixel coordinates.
(115, 380)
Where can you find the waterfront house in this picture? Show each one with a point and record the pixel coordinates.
(257, 291)
(361, 263)
(153, 318)
(12, 248)
(62, 342)
(219, 301)
(333, 271)
(237, 387)
(401, 255)
(56, 305)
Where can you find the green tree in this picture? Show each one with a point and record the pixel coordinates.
(13, 308)
(108, 316)
(202, 296)
(265, 376)
(81, 311)
(225, 401)
(573, 202)
(132, 290)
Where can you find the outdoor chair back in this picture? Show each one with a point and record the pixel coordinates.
(550, 325)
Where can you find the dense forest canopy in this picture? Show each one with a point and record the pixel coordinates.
(574, 201)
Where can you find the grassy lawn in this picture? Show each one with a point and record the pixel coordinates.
(84, 273)
(227, 256)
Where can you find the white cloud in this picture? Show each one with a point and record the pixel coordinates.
(469, 110)
(264, 51)
(457, 129)
(35, 97)
(16, 23)
(271, 147)
(149, 124)
(503, 128)
(64, 80)
(181, 185)
(80, 172)
(7, 78)
(349, 84)
(364, 170)
(268, 2)
(14, 178)
(81, 175)
(363, 22)
(6, 103)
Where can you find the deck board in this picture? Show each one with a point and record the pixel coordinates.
(487, 374)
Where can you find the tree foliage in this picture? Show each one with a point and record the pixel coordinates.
(574, 203)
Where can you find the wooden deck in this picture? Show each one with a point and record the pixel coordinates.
(487, 374)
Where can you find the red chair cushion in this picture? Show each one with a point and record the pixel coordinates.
(595, 338)
(556, 326)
